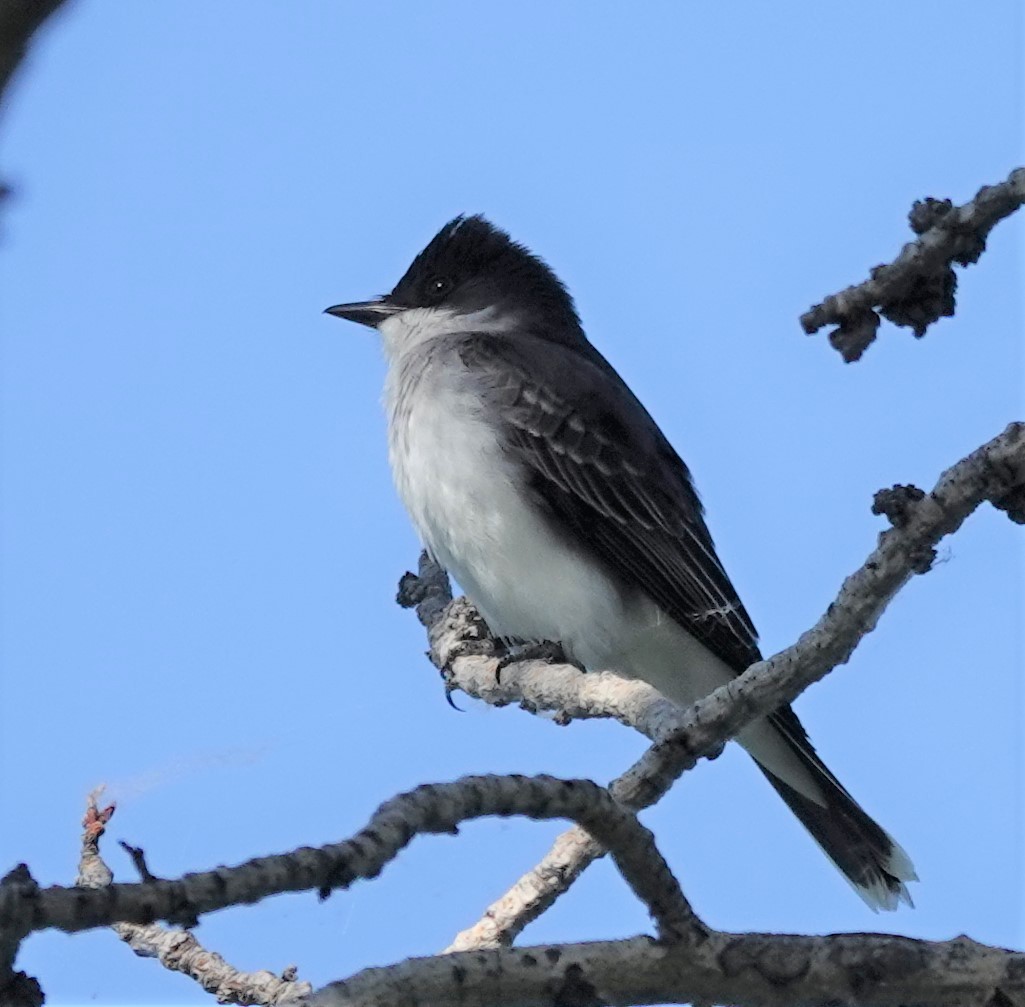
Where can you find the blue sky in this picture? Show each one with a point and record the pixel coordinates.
(200, 541)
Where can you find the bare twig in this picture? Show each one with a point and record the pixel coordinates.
(994, 472)
(178, 950)
(917, 288)
(17, 990)
(749, 970)
(138, 855)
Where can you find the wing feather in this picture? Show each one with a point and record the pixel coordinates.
(607, 473)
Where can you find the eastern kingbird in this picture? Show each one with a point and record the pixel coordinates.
(538, 480)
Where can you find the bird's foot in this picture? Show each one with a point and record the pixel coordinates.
(549, 651)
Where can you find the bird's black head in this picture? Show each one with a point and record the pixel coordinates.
(471, 268)
(470, 265)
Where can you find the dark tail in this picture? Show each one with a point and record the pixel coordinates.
(870, 859)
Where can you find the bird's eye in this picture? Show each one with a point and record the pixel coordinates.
(438, 287)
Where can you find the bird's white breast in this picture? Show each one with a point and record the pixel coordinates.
(471, 508)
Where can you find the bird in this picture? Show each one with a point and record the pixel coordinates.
(538, 480)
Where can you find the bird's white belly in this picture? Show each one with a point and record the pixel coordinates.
(472, 511)
(469, 505)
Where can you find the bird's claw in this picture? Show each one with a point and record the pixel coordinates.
(549, 651)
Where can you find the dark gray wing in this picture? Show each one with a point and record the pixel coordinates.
(605, 470)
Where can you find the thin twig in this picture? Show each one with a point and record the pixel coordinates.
(178, 950)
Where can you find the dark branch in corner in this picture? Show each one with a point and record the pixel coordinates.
(19, 20)
(918, 287)
(17, 989)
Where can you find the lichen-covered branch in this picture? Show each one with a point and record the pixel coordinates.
(748, 970)
(918, 287)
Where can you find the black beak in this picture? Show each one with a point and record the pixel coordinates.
(370, 313)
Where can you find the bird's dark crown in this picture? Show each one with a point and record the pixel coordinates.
(470, 265)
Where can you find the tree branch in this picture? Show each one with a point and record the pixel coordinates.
(16, 988)
(918, 287)
(433, 808)
(641, 786)
(178, 950)
(470, 660)
(747, 970)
